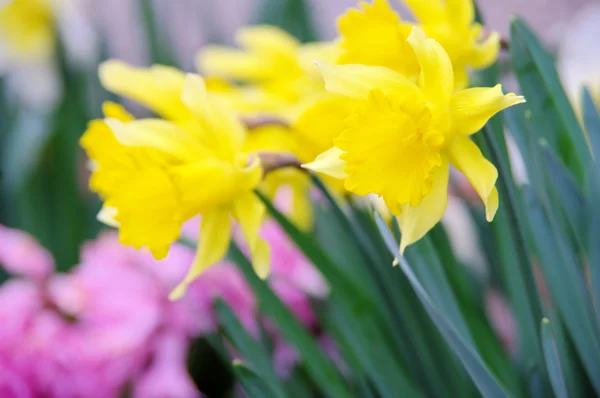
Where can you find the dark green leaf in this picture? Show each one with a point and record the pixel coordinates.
(254, 386)
(318, 366)
(249, 348)
(546, 98)
(552, 360)
(482, 377)
(566, 285)
(591, 121)
(294, 16)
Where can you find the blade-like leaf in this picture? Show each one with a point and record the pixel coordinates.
(383, 367)
(552, 360)
(482, 377)
(591, 121)
(254, 386)
(249, 348)
(318, 366)
(566, 284)
(546, 98)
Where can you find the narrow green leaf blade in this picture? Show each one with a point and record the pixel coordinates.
(250, 349)
(591, 121)
(539, 82)
(566, 284)
(552, 360)
(318, 366)
(254, 386)
(482, 377)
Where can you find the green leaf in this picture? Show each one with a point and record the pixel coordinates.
(566, 285)
(360, 309)
(482, 377)
(566, 190)
(318, 366)
(551, 109)
(513, 248)
(593, 232)
(158, 46)
(591, 121)
(552, 360)
(294, 16)
(250, 349)
(254, 386)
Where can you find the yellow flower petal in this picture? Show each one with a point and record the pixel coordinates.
(302, 210)
(357, 81)
(467, 158)
(268, 52)
(388, 151)
(426, 11)
(249, 212)
(215, 235)
(374, 35)
(148, 210)
(158, 87)
(320, 122)
(222, 132)
(416, 221)
(328, 163)
(485, 52)
(437, 75)
(473, 107)
(116, 111)
(460, 13)
(231, 63)
(107, 215)
(267, 40)
(210, 183)
(158, 134)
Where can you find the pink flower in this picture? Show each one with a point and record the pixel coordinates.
(167, 376)
(20, 254)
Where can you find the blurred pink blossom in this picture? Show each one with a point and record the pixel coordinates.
(20, 254)
(108, 323)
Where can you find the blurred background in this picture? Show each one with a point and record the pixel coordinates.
(46, 101)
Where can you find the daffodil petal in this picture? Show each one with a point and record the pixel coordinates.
(357, 81)
(437, 75)
(232, 63)
(249, 212)
(267, 40)
(301, 213)
(158, 87)
(113, 110)
(215, 235)
(222, 131)
(485, 52)
(481, 173)
(473, 107)
(426, 11)
(416, 221)
(374, 35)
(328, 163)
(460, 12)
(107, 215)
(158, 134)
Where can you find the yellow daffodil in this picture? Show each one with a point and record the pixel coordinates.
(402, 137)
(270, 60)
(375, 35)
(26, 29)
(280, 139)
(154, 174)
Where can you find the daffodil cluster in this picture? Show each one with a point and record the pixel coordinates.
(383, 110)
